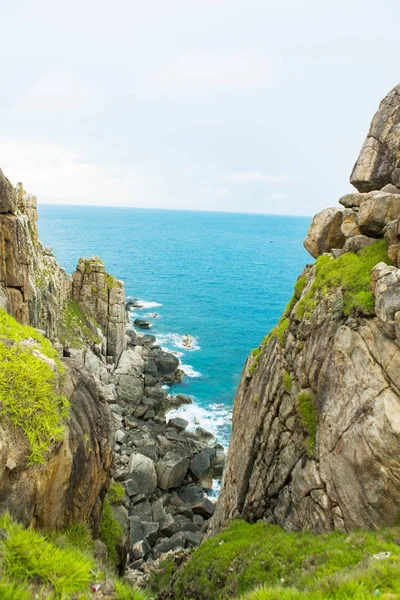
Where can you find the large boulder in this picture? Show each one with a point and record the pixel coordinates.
(377, 209)
(143, 473)
(171, 470)
(8, 203)
(167, 365)
(378, 163)
(325, 232)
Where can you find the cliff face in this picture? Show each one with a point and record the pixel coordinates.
(316, 419)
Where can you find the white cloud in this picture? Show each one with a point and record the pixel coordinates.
(57, 174)
(244, 177)
(58, 92)
(213, 72)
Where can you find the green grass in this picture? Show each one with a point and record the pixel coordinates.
(53, 566)
(110, 529)
(288, 565)
(350, 272)
(305, 404)
(75, 329)
(286, 381)
(29, 387)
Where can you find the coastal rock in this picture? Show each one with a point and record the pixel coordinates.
(71, 485)
(325, 232)
(376, 211)
(377, 164)
(171, 470)
(142, 471)
(8, 202)
(142, 323)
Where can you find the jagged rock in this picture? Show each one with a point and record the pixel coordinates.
(325, 232)
(167, 366)
(178, 423)
(142, 323)
(351, 200)
(142, 471)
(386, 289)
(205, 436)
(169, 526)
(8, 203)
(377, 164)
(200, 464)
(101, 296)
(140, 549)
(128, 377)
(171, 470)
(205, 508)
(376, 211)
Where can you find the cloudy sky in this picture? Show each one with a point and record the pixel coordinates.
(233, 105)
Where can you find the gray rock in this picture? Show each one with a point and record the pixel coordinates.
(142, 471)
(150, 531)
(205, 508)
(171, 470)
(131, 487)
(167, 365)
(200, 464)
(140, 549)
(205, 436)
(191, 494)
(376, 211)
(325, 232)
(178, 423)
(192, 539)
(169, 526)
(357, 243)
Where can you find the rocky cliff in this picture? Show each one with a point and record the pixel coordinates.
(316, 419)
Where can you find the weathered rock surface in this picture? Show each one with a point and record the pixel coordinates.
(325, 232)
(71, 486)
(8, 202)
(335, 463)
(378, 162)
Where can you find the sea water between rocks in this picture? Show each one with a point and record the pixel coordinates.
(223, 278)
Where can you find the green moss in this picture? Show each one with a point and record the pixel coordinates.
(29, 396)
(255, 351)
(286, 381)
(115, 493)
(51, 566)
(110, 529)
(288, 564)
(350, 272)
(280, 330)
(256, 400)
(305, 404)
(75, 329)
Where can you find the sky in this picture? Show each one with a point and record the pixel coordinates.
(231, 105)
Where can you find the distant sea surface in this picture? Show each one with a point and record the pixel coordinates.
(224, 278)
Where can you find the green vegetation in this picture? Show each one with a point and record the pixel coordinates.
(256, 400)
(52, 566)
(255, 351)
(29, 387)
(75, 329)
(287, 565)
(351, 272)
(110, 529)
(305, 404)
(286, 381)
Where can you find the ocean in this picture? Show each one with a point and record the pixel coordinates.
(224, 278)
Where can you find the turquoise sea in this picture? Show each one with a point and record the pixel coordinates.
(224, 278)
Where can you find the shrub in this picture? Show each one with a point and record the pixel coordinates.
(350, 272)
(286, 381)
(75, 329)
(307, 410)
(110, 529)
(29, 396)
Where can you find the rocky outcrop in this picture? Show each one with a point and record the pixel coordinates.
(71, 485)
(100, 296)
(316, 418)
(325, 232)
(378, 163)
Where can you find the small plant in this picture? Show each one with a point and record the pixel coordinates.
(256, 400)
(286, 381)
(110, 529)
(307, 410)
(255, 352)
(75, 328)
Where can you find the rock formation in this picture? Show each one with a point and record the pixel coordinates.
(316, 418)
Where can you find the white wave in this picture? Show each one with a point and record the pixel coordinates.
(215, 490)
(145, 304)
(189, 371)
(175, 340)
(216, 419)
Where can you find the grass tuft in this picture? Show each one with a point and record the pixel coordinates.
(305, 404)
(75, 329)
(110, 529)
(29, 396)
(286, 381)
(350, 272)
